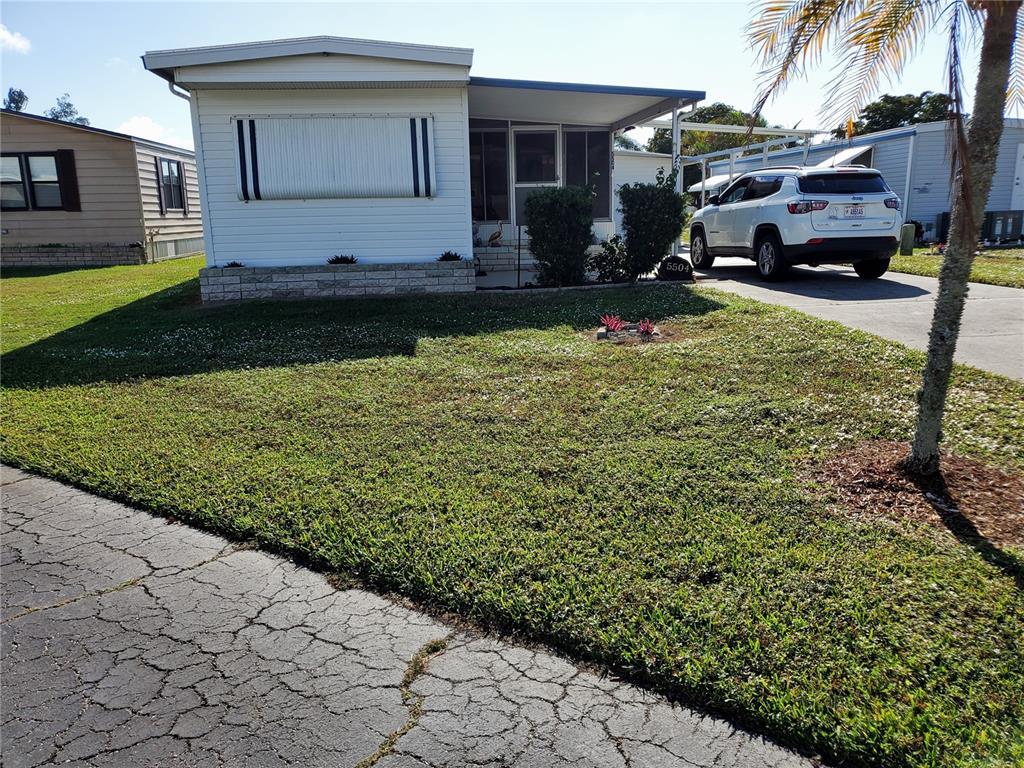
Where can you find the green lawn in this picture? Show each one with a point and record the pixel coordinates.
(995, 266)
(638, 506)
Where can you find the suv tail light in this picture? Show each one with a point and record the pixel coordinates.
(806, 206)
(892, 202)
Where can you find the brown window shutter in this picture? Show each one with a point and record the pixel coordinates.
(68, 180)
(184, 187)
(160, 187)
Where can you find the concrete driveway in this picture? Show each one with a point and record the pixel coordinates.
(897, 307)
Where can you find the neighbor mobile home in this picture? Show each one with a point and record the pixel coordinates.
(915, 163)
(392, 153)
(78, 195)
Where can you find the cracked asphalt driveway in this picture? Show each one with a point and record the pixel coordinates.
(131, 641)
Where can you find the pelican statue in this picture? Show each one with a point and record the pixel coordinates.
(495, 239)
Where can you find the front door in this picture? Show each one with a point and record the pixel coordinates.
(536, 159)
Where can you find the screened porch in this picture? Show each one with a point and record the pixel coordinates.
(527, 135)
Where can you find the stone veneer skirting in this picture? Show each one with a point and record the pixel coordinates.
(503, 258)
(71, 255)
(335, 280)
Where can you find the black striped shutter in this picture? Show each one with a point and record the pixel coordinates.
(68, 180)
(184, 186)
(160, 188)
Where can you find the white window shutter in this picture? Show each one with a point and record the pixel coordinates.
(336, 156)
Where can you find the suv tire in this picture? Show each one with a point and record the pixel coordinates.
(700, 257)
(771, 261)
(871, 269)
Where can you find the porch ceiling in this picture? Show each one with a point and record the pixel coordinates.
(544, 102)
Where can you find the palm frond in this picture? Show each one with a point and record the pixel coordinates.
(876, 44)
(1015, 91)
(789, 35)
(960, 15)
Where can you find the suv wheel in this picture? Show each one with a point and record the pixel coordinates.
(870, 269)
(700, 257)
(771, 262)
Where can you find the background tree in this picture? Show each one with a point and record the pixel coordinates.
(66, 111)
(701, 142)
(15, 100)
(898, 112)
(622, 141)
(875, 38)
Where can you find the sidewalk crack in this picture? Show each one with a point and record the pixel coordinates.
(417, 666)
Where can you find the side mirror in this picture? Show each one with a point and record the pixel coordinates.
(713, 200)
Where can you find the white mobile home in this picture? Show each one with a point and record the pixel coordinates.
(915, 162)
(389, 152)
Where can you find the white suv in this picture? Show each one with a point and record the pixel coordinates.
(792, 215)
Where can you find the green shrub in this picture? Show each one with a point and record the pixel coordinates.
(561, 224)
(611, 263)
(652, 219)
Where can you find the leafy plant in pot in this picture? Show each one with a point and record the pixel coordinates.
(342, 259)
(449, 256)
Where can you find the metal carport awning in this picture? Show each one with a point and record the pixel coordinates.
(539, 101)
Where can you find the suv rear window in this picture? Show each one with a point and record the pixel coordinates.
(842, 183)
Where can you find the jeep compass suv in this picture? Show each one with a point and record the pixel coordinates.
(784, 216)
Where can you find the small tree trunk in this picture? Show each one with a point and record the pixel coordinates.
(984, 132)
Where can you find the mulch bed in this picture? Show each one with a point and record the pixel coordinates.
(971, 499)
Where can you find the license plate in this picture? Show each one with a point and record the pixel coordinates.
(854, 212)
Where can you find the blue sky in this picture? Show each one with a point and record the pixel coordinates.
(91, 50)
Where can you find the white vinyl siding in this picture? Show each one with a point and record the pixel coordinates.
(309, 231)
(335, 156)
(634, 168)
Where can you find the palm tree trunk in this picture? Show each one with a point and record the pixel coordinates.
(984, 132)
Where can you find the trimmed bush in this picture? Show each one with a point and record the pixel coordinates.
(652, 219)
(611, 263)
(561, 224)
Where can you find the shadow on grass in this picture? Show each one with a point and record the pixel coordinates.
(169, 333)
(938, 495)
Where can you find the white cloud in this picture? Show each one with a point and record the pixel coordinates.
(13, 41)
(147, 128)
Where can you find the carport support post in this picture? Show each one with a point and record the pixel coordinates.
(703, 181)
(676, 163)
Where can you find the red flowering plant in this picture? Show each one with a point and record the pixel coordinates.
(613, 322)
(645, 327)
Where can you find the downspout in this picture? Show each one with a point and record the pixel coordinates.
(180, 94)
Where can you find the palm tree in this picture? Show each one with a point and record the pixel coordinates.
(875, 39)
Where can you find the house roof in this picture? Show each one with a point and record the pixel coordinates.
(102, 131)
(618, 106)
(164, 62)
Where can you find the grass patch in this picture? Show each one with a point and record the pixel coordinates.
(998, 266)
(637, 505)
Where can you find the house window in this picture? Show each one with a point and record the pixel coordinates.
(172, 190)
(44, 182)
(39, 181)
(488, 175)
(13, 192)
(588, 164)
